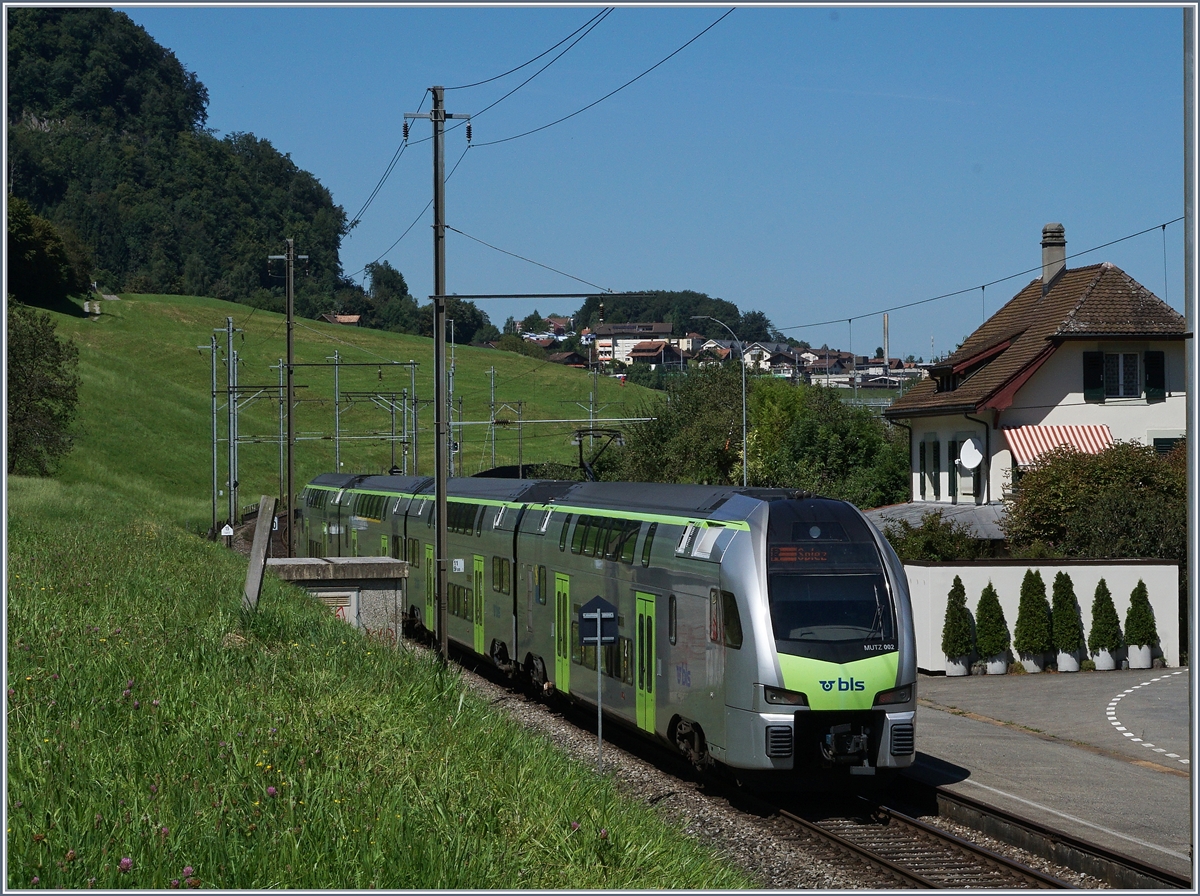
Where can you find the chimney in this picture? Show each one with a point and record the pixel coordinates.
(1054, 254)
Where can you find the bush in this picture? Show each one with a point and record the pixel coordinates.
(1032, 634)
(1139, 620)
(1105, 633)
(1088, 665)
(1066, 626)
(936, 540)
(957, 635)
(991, 631)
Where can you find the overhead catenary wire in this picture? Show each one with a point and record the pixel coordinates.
(535, 58)
(612, 92)
(387, 172)
(959, 292)
(530, 260)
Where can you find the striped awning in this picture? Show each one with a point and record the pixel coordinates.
(1028, 443)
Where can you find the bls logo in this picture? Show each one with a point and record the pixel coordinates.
(843, 685)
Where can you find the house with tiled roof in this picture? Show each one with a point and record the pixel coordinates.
(1080, 357)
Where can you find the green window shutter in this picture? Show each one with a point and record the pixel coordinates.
(1093, 376)
(1155, 366)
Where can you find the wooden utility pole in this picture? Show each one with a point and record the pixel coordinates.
(438, 115)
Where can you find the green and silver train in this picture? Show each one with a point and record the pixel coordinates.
(763, 630)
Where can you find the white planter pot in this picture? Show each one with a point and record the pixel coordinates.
(1033, 662)
(958, 665)
(997, 665)
(1068, 662)
(1140, 656)
(1105, 661)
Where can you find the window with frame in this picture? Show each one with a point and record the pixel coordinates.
(501, 575)
(541, 585)
(1121, 375)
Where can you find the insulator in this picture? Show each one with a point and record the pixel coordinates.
(468, 132)
(406, 130)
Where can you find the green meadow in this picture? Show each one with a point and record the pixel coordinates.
(157, 737)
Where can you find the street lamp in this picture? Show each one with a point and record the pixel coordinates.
(742, 359)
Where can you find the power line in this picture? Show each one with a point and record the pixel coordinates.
(530, 260)
(959, 292)
(599, 15)
(387, 172)
(611, 93)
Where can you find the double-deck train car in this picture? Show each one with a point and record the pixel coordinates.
(764, 630)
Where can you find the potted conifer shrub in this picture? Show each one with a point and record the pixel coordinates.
(1066, 626)
(1141, 634)
(991, 632)
(958, 640)
(1031, 638)
(1104, 637)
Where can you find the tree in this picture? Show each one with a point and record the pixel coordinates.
(533, 322)
(957, 630)
(991, 631)
(695, 437)
(1105, 633)
(1140, 629)
(1032, 634)
(879, 352)
(41, 272)
(468, 320)
(1064, 616)
(43, 390)
(806, 437)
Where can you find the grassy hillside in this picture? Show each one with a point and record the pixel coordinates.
(144, 425)
(158, 738)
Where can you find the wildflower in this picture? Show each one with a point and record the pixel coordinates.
(54, 677)
(271, 791)
(36, 880)
(154, 703)
(125, 865)
(137, 704)
(154, 788)
(163, 832)
(189, 871)
(70, 855)
(11, 692)
(574, 826)
(175, 884)
(129, 683)
(125, 693)
(604, 833)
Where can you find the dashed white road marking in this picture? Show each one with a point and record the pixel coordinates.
(1111, 714)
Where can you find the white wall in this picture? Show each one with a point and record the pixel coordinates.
(930, 583)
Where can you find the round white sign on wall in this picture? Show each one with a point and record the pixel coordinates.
(970, 455)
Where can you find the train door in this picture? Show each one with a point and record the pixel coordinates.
(562, 632)
(430, 585)
(478, 598)
(646, 665)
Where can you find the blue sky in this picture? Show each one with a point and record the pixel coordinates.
(814, 163)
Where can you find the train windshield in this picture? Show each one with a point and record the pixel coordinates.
(828, 591)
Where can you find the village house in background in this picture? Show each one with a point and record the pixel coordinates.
(1080, 357)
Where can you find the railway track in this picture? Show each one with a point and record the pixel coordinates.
(915, 854)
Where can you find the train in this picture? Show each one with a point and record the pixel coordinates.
(765, 632)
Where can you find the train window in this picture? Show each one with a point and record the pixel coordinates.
(588, 656)
(649, 654)
(499, 517)
(648, 542)
(627, 543)
(581, 528)
(562, 536)
(609, 658)
(576, 647)
(672, 619)
(467, 594)
(732, 620)
(545, 521)
(501, 574)
(625, 647)
(590, 535)
(397, 547)
(479, 523)
(715, 620)
(541, 586)
(414, 553)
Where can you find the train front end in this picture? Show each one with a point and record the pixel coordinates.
(836, 696)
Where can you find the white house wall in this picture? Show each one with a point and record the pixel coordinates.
(1054, 395)
(929, 585)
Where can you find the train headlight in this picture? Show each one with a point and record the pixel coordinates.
(780, 697)
(895, 695)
